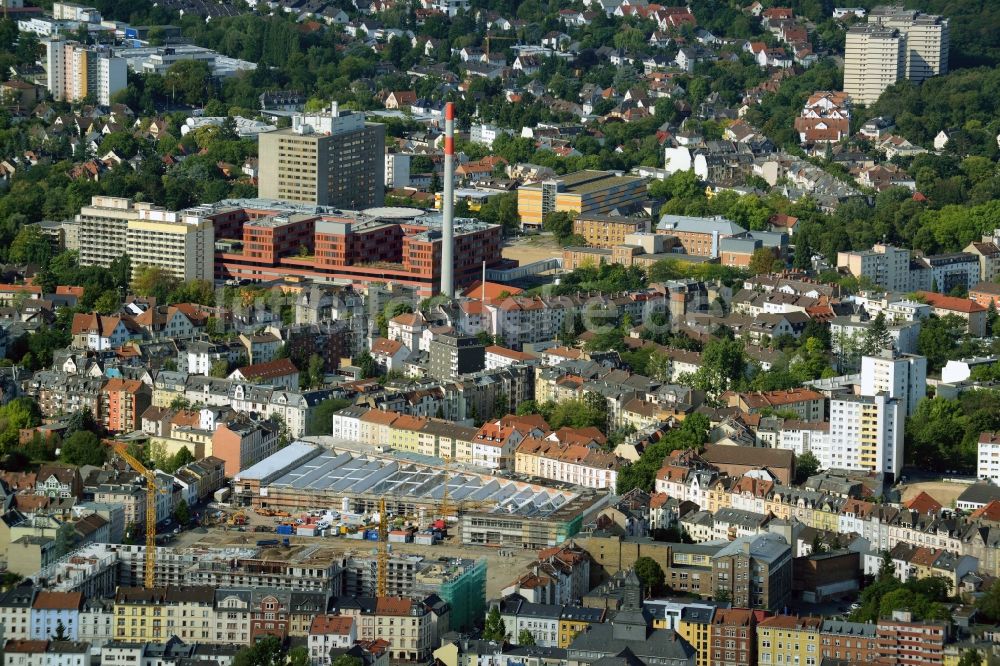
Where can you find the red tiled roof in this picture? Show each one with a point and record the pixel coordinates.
(331, 624)
(281, 367)
(58, 600)
(924, 503)
(953, 303)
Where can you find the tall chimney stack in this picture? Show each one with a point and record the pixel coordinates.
(448, 205)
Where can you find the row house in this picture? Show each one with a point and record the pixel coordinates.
(427, 436)
(413, 627)
(581, 464)
(294, 408)
(561, 575)
(955, 540)
(520, 320)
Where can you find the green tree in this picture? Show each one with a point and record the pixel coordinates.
(30, 247)
(525, 638)
(65, 539)
(527, 407)
(179, 459)
(723, 365)
(83, 448)
(220, 368)
(108, 303)
(988, 604)
(265, 652)
(315, 370)
(299, 656)
(321, 419)
(16, 415)
(938, 339)
(806, 465)
(182, 513)
(560, 223)
(578, 413)
(189, 82)
(651, 574)
(970, 658)
(347, 660)
(153, 281)
(494, 629)
(762, 261)
(876, 337)
(366, 364)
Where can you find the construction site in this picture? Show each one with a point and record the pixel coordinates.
(486, 509)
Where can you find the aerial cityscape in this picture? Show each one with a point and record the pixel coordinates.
(499, 333)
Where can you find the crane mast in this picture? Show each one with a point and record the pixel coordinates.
(150, 476)
(382, 560)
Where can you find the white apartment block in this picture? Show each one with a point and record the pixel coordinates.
(901, 376)
(75, 71)
(926, 40)
(485, 133)
(183, 245)
(866, 433)
(848, 332)
(104, 228)
(884, 265)
(874, 59)
(988, 461)
(451, 7)
(896, 43)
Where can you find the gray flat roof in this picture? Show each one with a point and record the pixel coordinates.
(298, 467)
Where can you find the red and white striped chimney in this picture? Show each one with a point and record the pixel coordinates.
(448, 205)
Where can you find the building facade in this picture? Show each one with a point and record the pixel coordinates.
(75, 71)
(333, 158)
(583, 192)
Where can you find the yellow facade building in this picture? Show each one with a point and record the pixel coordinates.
(583, 192)
(788, 639)
(695, 626)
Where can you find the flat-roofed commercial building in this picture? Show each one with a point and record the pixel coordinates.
(583, 192)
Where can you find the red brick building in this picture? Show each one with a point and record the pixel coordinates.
(400, 245)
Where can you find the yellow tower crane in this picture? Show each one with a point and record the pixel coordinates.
(122, 450)
(382, 559)
(490, 38)
(446, 508)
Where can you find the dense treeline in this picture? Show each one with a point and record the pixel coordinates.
(964, 100)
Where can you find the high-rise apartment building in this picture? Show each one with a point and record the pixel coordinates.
(866, 433)
(183, 244)
(75, 71)
(873, 61)
(895, 44)
(927, 39)
(331, 158)
(883, 265)
(902, 376)
(988, 462)
(103, 228)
